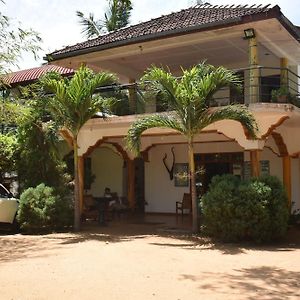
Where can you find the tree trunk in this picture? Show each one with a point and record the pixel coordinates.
(76, 188)
(193, 185)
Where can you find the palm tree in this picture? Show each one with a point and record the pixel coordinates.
(188, 100)
(116, 17)
(73, 104)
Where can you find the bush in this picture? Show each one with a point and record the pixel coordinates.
(236, 210)
(41, 209)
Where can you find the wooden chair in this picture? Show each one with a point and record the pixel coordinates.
(90, 210)
(185, 204)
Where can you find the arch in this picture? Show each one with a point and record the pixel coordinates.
(274, 126)
(282, 148)
(117, 146)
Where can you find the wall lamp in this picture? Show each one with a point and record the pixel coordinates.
(249, 33)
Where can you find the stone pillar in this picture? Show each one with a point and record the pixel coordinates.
(254, 83)
(283, 72)
(132, 97)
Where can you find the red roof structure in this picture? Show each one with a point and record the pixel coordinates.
(24, 77)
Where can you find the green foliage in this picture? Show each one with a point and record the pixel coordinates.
(283, 95)
(38, 157)
(236, 210)
(41, 208)
(188, 98)
(73, 104)
(8, 147)
(118, 14)
(11, 113)
(75, 101)
(13, 41)
(116, 17)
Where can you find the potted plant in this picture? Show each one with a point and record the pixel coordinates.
(280, 95)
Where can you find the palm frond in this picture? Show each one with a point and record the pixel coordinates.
(239, 113)
(133, 138)
(164, 83)
(118, 14)
(74, 101)
(91, 28)
(211, 79)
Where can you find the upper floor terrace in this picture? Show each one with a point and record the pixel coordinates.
(258, 42)
(267, 85)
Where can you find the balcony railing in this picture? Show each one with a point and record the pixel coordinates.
(260, 84)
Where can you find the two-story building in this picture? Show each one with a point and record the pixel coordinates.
(258, 42)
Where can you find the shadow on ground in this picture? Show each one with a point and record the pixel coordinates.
(263, 283)
(13, 247)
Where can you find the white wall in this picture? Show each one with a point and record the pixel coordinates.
(160, 192)
(107, 165)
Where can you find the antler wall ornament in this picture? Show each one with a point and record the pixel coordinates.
(170, 170)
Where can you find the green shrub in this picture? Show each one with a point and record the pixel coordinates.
(235, 210)
(41, 209)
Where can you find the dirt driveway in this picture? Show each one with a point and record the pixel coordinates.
(139, 262)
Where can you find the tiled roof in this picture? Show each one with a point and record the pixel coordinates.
(183, 21)
(29, 75)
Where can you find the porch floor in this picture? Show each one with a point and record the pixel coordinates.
(144, 223)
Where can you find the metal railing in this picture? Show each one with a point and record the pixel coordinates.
(269, 84)
(259, 84)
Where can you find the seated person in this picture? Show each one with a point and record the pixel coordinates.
(112, 200)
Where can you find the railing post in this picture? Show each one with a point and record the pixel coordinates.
(132, 96)
(254, 70)
(283, 72)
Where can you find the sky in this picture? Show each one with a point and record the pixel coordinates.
(57, 23)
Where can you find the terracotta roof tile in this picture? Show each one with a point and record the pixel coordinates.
(29, 75)
(186, 20)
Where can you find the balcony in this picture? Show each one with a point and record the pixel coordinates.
(259, 85)
(262, 85)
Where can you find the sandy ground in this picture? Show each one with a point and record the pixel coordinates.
(144, 262)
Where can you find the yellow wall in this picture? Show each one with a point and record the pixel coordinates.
(107, 165)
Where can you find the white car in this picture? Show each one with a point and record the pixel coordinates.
(8, 207)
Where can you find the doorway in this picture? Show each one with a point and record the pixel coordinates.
(213, 169)
(212, 164)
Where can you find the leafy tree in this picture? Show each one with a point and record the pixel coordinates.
(116, 17)
(39, 160)
(188, 99)
(74, 103)
(13, 41)
(8, 146)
